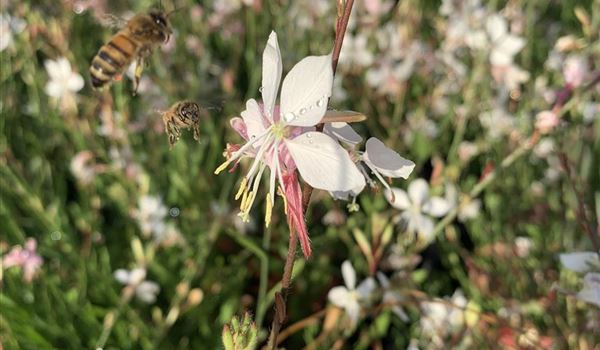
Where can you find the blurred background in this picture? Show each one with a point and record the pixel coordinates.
(111, 240)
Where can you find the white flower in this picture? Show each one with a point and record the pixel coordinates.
(6, 35)
(355, 51)
(392, 297)
(146, 291)
(497, 121)
(349, 297)
(546, 121)
(417, 207)
(444, 317)
(523, 246)
(468, 208)
(504, 45)
(150, 215)
(580, 261)
(281, 137)
(63, 81)
(82, 167)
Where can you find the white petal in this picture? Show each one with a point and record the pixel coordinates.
(424, 228)
(323, 163)
(305, 91)
(54, 89)
(397, 198)
(271, 73)
(137, 275)
(349, 274)
(436, 207)
(366, 287)
(510, 44)
(343, 132)
(591, 289)
(122, 276)
(579, 261)
(339, 296)
(345, 195)
(52, 67)
(418, 192)
(383, 280)
(386, 161)
(496, 27)
(353, 311)
(253, 118)
(500, 58)
(75, 83)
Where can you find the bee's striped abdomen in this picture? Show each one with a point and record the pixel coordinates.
(112, 59)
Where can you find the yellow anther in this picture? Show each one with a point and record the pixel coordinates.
(242, 188)
(268, 211)
(222, 167)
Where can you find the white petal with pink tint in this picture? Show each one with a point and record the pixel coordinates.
(418, 192)
(253, 118)
(386, 161)
(305, 91)
(323, 163)
(271, 74)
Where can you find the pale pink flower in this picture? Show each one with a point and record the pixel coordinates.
(63, 83)
(546, 121)
(504, 45)
(281, 137)
(27, 259)
(575, 70)
(145, 291)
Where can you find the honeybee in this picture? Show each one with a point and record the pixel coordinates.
(181, 115)
(136, 40)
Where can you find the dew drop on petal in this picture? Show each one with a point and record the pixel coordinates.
(261, 89)
(289, 116)
(308, 136)
(303, 111)
(320, 102)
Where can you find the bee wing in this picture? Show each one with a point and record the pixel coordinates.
(111, 21)
(333, 116)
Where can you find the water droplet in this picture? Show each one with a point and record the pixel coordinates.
(309, 135)
(303, 111)
(261, 88)
(320, 102)
(310, 141)
(174, 212)
(253, 137)
(289, 116)
(55, 236)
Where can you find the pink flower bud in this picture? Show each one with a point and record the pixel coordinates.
(546, 121)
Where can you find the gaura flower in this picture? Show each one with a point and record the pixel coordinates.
(504, 45)
(417, 207)
(25, 258)
(134, 279)
(63, 83)
(282, 138)
(349, 297)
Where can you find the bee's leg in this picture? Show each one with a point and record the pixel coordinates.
(173, 132)
(196, 128)
(139, 67)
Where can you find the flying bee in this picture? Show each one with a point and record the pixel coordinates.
(181, 115)
(135, 41)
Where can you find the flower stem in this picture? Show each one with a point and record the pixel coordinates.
(281, 297)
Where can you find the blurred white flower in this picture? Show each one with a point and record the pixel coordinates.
(523, 246)
(443, 318)
(349, 297)
(63, 83)
(546, 121)
(590, 111)
(498, 122)
(355, 51)
(146, 291)
(417, 208)
(150, 215)
(467, 150)
(504, 45)
(8, 27)
(544, 148)
(392, 297)
(83, 167)
(575, 70)
(468, 208)
(580, 261)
